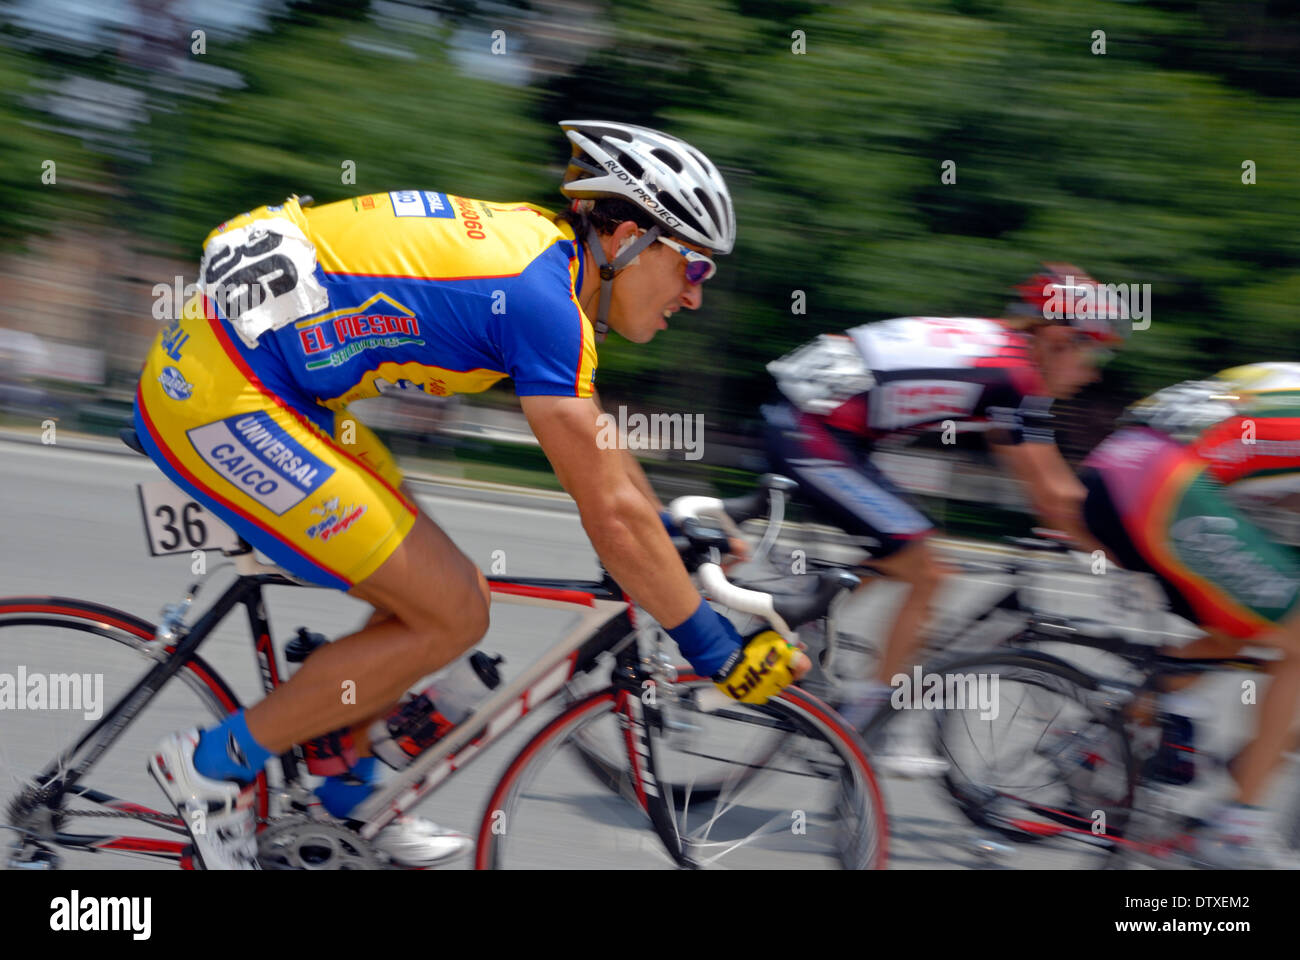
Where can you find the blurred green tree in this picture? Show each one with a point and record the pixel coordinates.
(834, 124)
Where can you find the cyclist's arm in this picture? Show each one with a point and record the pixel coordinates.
(631, 540)
(635, 472)
(633, 466)
(616, 514)
(1054, 491)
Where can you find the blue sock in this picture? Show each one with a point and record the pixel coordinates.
(341, 795)
(229, 752)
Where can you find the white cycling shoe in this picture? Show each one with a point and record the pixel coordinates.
(411, 842)
(417, 843)
(1237, 839)
(218, 813)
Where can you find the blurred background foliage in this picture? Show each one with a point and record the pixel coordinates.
(1128, 163)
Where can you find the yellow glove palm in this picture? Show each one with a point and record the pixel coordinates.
(762, 670)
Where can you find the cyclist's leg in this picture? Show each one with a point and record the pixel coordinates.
(1241, 583)
(1253, 768)
(853, 493)
(916, 565)
(320, 495)
(439, 603)
(360, 731)
(430, 606)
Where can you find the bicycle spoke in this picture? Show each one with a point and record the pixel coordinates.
(36, 749)
(737, 797)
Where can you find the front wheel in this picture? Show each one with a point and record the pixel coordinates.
(811, 802)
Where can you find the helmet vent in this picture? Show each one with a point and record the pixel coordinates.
(680, 211)
(605, 133)
(707, 204)
(584, 164)
(630, 164)
(668, 159)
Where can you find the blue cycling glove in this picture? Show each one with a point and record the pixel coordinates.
(707, 639)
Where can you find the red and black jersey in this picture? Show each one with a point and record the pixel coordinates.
(915, 373)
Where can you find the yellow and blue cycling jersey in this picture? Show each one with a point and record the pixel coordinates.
(426, 292)
(437, 293)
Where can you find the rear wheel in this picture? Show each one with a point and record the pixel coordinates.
(1050, 761)
(76, 660)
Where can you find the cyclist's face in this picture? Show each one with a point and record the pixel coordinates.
(1068, 360)
(650, 291)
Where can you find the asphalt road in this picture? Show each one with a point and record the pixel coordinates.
(71, 526)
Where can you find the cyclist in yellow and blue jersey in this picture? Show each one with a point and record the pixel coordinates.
(243, 402)
(425, 292)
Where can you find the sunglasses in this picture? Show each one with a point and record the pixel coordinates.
(698, 267)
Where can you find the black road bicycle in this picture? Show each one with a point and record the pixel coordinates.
(805, 796)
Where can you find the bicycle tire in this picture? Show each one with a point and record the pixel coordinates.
(856, 848)
(51, 615)
(985, 804)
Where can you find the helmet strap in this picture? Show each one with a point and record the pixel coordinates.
(608, 270)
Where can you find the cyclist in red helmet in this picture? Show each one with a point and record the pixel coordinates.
(845, 393)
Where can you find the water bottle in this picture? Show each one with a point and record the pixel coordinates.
(424, 718)
(1175, 761)
(303, 645)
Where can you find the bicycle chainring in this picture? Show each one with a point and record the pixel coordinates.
(301, 843)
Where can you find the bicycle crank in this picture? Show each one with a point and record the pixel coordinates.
(300, 843)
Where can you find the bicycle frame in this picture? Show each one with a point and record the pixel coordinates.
(598, 604)
(603, 602)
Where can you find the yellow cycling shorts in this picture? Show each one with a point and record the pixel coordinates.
(311, 488)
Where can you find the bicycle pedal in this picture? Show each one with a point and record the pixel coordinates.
(37, 860)
(986, 848)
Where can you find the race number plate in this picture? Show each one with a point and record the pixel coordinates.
(176, 523)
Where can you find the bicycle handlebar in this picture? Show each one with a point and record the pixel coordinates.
(696, 508)
(784, 613)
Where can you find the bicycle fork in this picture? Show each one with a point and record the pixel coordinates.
(638, 711)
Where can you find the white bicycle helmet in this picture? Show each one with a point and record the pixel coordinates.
(675, 183)
(1184, 410)
(672, 181)
(1187, 409)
